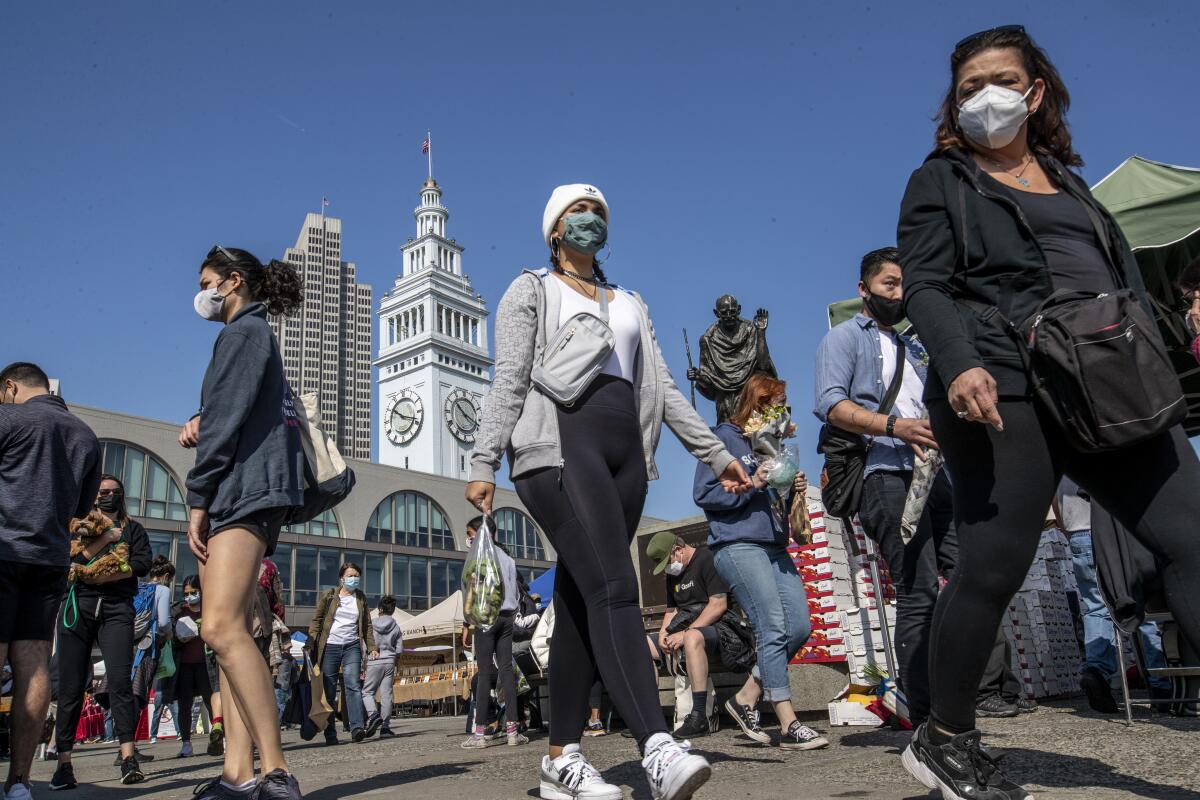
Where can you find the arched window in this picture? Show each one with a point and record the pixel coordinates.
(410, 519)
(325, 525)
(519, 535)
(150, 489)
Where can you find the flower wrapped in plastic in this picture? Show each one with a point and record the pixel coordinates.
(482, 581)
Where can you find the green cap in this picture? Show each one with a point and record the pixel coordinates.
(659, 549)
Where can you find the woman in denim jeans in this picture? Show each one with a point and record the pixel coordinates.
(748, 539)
(341, 629)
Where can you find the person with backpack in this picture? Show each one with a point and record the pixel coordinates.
(101, 613)
(579, 408)
(152, 619)
(247, 479)
(1006, 255)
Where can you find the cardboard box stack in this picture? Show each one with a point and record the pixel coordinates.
(1040, 624)
(825, 568)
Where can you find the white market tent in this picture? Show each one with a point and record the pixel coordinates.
(399, 615)
(444, 619)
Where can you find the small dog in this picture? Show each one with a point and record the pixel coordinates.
(113, 560)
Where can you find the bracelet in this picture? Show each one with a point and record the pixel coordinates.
(891, 426)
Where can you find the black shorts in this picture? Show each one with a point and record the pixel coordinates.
(265, 524)
(30, 596)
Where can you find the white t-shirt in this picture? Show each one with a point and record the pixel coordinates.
(908, 403)
(345, 620)
(622, 319)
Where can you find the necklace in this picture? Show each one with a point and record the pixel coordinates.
(1019, 177)
(594, 292)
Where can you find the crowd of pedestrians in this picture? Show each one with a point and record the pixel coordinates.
(994, 226)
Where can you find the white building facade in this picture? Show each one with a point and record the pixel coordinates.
(434, 363)
(326, 345)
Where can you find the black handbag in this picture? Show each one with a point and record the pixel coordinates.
(846, 454)
(1097, 366)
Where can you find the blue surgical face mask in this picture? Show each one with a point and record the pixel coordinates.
(351, 582)
(192, 599)
(585, 232)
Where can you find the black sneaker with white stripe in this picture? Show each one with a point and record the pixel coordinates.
(748, 720)
(801, 737)
(570, 776)
(961, 769)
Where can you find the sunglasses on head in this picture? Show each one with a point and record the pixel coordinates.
(218, 249)
(975, 37)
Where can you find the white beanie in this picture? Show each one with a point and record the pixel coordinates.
(561, 200)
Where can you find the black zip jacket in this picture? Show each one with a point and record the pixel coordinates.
(140, 560)
(249, 457)
(960, 240)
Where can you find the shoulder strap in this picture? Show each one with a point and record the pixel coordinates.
(893, 390)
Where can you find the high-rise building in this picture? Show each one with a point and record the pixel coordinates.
(434, 367)
(326, 345)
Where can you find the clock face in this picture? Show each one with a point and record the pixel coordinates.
(403, 417)
(462, 416)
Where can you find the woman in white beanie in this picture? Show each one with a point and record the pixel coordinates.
(581, 467)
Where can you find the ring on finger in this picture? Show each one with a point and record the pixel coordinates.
(963, 414)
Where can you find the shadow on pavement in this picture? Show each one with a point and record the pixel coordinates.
(392, 780)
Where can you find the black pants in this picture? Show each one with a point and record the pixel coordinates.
(108, 622)
(915, 569)
(1003, 484)
(589, 510)
(998, 677)
(191, 680)
(495, 642)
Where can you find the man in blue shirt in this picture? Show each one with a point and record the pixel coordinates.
(856, 363)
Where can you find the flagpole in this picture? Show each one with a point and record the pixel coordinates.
(429, 150)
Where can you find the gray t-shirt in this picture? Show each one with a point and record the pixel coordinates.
(1076, 510)
(508, 573)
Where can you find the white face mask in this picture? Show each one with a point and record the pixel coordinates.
(209, 303)
(674, 569)
(994, 115)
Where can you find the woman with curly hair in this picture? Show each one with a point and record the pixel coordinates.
(249, 474)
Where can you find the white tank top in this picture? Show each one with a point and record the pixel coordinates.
(622, 319)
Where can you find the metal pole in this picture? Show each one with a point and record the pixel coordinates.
(872, 557)
(687, 346)
(454, 680)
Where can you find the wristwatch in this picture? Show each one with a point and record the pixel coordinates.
(891, 426)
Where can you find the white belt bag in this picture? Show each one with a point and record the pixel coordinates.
(575, 355)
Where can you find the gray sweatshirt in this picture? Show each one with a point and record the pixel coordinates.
(520, 420)
(388, 639)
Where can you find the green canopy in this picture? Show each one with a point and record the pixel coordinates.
(1158, 208)
(843, 310)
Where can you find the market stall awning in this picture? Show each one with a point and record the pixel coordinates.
(444, 619)
(1158, 208)
(543, 587)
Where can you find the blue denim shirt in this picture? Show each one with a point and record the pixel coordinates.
(850, 367)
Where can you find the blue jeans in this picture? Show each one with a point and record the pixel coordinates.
(282, 696)
(1099, 647)
(765, 584)
(346, 658)
(158, 715)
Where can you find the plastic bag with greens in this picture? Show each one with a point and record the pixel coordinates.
(482, 583)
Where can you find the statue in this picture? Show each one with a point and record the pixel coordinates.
(731, 350)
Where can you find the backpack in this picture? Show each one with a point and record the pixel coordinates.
(328, 481)
(145, 621)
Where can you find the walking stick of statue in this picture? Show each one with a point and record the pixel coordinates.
(687, 346)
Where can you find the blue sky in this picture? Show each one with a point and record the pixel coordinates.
(753, 148)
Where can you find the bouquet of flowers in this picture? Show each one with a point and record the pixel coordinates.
(766, 430)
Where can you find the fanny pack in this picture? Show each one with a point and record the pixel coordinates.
(568, 363)
(1097, 367)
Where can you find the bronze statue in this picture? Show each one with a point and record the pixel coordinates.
(731, 350)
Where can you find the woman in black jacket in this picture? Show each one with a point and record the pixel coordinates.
(995, 216)
(249, 474)
(100, 612)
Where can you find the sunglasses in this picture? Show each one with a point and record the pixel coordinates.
(975, 37)
(113, 492)
(218, 249)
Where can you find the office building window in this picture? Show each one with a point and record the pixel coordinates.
(517, 532)
(410, 519)
(150, 490)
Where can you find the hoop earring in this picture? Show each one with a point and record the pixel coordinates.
(603, 261)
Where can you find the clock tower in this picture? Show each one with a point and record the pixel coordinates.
(434, 367)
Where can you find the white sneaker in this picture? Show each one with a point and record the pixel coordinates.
(186, 750)
(19, 791)
(673, 772)
(153, 740)
(570, 776)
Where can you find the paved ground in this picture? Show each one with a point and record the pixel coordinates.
(1059, 752)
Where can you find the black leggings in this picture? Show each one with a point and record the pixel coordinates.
(495, 641)
(191, 680)
(106, 621)
(589, 510)
(1003, 485)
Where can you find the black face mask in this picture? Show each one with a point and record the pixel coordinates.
(109, 504)
(887, 312)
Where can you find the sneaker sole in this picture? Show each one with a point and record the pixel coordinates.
(693, 782)
(815, 744)
(998, 714)
(548, 791)
(761, 737)
(62, 787)
(134, 777)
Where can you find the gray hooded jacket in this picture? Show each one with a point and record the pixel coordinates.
(520, 420)
(388, 639)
